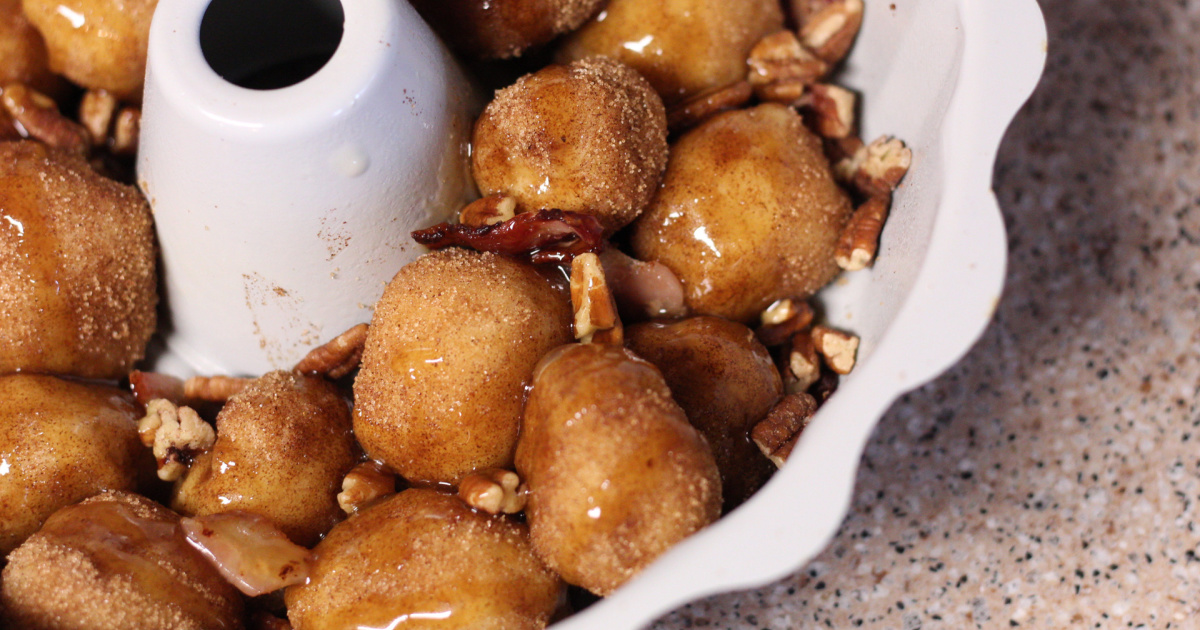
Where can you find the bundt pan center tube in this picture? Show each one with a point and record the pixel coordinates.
(288, 148)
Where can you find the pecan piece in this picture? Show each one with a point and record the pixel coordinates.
(830, 109)
(214, 388)
(38, 115)
(337, 358)
(367, 483)
(837, 347)
(782, 320)
(96, 112)
(126, 132)
(830, 31)
(803, 365)
(705, 105)
(494, 490)
(596, 319)
(177, 435)
(781, 68)
(859, 240)
(877, 168)
(776, 435)
(488, 211)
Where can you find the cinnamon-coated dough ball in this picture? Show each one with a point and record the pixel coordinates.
(452, 346)
(284, 444)
(616, 474)
(99, 44)
(116, 561)
(725, 381)
(23, 57)
(61, 442)
(748, 213)
(589, 137)
(425, 560)
(497, 29)
(77, 280)
(683, 47)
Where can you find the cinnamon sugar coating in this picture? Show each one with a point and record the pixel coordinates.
(748, 213)
(588, 137)
(117, 561)
(683, 47)
(452, 346)
(77, 266)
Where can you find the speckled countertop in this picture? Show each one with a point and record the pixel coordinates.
(1051, 479)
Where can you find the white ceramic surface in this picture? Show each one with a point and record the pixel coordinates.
(283, 213)
(947, 76)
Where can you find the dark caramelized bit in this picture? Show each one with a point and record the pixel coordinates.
(546, 236)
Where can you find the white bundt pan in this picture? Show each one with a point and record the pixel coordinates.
(947, 76)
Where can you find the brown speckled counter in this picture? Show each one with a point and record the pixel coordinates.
(1052, 478)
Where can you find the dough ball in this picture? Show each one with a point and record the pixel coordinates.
(424, 553)
(99, 44)
(60, 442)
(452, 346)
(725, 381)
(116, 561)
(77, 266)
(588, 137)
(284, 444)
(683, 47)
(749, 213)
(23, 57)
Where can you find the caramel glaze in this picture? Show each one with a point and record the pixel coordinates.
(115, 561)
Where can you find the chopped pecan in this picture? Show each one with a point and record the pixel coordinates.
(596, 319)
(126, 132)
(830, 31)
(877, 168)
(776, 435)
(803, 365)
(213, 388)
(705, 105)
(494, 490)
(859, 240)
(367, 483)
(488, 211)
(837, 347)
(38, 115)
(96, 112)
(545, 236)
(177, 435)
(337, 358)
(781, 68)
(782, 320)
(831, 110)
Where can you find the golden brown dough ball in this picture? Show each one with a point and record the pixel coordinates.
(725, 381)
(498, 29)
(77, 257)
(116, 561)
(23, 56)
(284, 444)
(61, 442)
(452, 346)
(590, 137)
(748, 213)
(422, 559)
(616, 474)
(683, 47)
(98, 44)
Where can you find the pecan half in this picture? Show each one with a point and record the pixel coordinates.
(782, 320)
(494, 490)
(365, 484)
(830, 109)
(38, 115)
(859, 240)
(781, 68)
(596, 319)
(176, 434)
(837, 347)
(831, 30)
(488, 211)
(337, 358)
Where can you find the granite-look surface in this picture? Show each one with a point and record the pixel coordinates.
(1052, 478)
